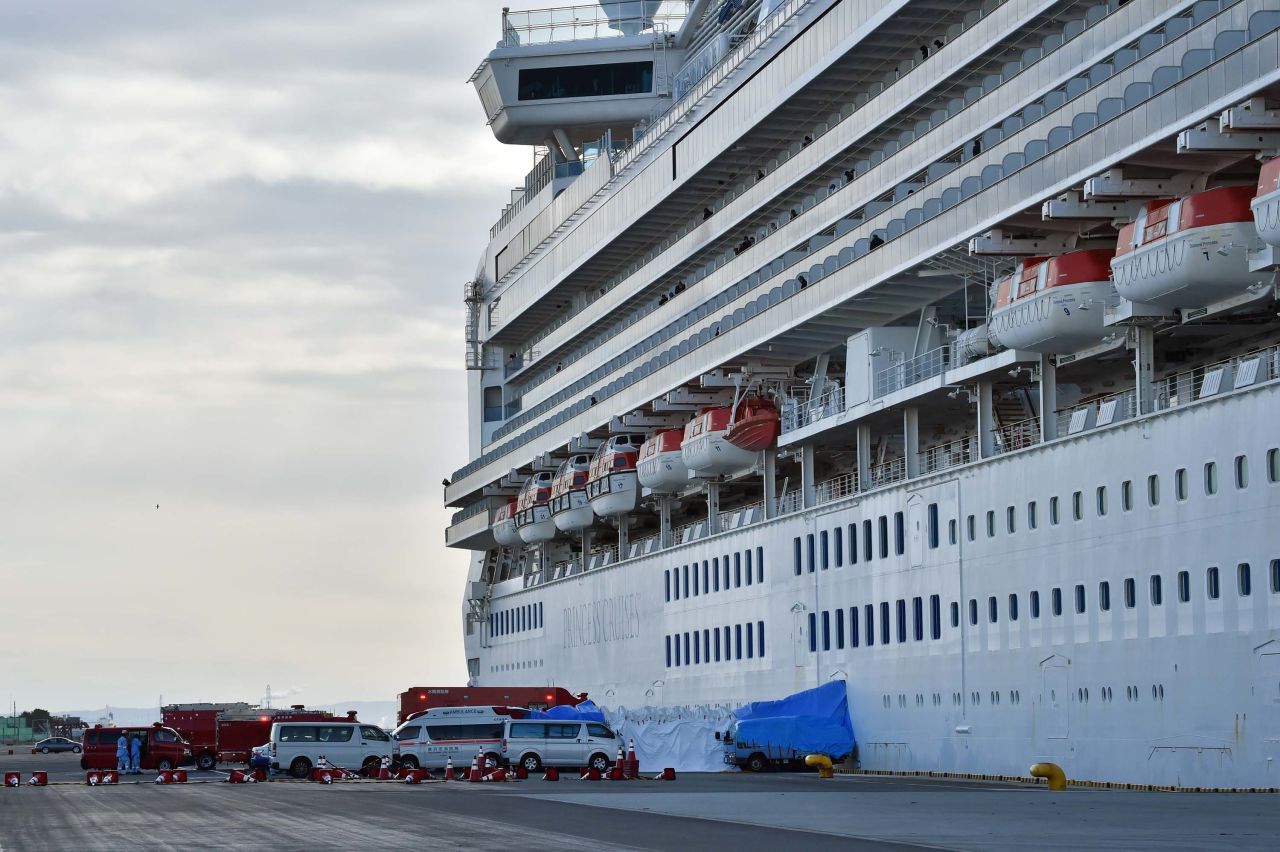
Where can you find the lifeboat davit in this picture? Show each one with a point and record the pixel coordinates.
(717, 442)
(569, 507)
(504, 525)
(533, 509)
(1266, 204)
(661, 468)
(1053, 305)
(612, 486)
(1188, 252)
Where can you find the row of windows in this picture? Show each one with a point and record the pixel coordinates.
(828, 547)
(995, 697)
(1101, 504)
(517, 620)
(714, 575)
(895, 620)
(1129, 588)
(713, 644)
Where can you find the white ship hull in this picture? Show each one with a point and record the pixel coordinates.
(1191, 268)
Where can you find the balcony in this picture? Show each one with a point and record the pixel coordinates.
(594, 21)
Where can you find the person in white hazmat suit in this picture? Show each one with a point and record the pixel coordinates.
(122, 753)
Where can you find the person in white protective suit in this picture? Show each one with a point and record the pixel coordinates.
(122, 753)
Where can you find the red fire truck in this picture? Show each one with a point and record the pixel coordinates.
(227, 733)
(416, 699)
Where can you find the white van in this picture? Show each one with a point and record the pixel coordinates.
(431, 738)
(297, 746)
(534, 744)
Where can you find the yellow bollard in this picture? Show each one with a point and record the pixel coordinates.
(822, 762)
(1053, 772)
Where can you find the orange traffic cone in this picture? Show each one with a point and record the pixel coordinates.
(615, 771)
(474, 775)
(448, 770)
(632, 767)
(552, 774)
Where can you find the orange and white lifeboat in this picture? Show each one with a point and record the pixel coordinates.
(533, 509)
(756, 425)
(1188, 252)
(504, 525)
(612, 486)
(1053, 305)
(661, 468)
(1266, 203)
(707, 449)
(569, 506)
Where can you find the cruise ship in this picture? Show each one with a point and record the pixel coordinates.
(928, 345)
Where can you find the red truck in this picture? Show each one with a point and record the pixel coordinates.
(227, 733)
(417, 699)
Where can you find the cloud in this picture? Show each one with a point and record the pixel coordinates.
(233, 238)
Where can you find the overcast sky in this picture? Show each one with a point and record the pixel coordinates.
(233, 238)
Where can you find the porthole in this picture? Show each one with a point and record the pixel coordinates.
(1153, 692)
(1210, 478)
(1242, 471)
(1161, 689)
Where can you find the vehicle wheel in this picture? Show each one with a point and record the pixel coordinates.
(531, 762)
(492, 760)
(206, 761)
(300, 768)
(75, 749)
(409, 762)
(370, 766)
(599, 762)
(163, 764)
(44, 750)
(757, 762)
(84, 764)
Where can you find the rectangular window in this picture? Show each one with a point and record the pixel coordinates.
(1079, 598)
(933, 526)
(1031, 515)
(991, 523)
(751, 645)
(1056, 599)
(1053, 511)
(759, 564)
(726, 575)
(1244, 580)
(1275, 576)
(585, 81)
(884, 623)
(695, 576)
(1157, 593)
(1010, 524)
(1104, 596)
(1077, 506)
(1184, 586)
(951, 531)
(866, 540)
(1013, 607)
(1242, 471)
(1126, 495)
(973, 611)
(737, 571)
(747, 561)
(899, 534)
(706, 644)
(1180, 484)
(1130, 593)
(840, 629)
(902, 619)
(884, 536)
(813, 633)
(955, 614)
(760, 638)
(1210, 478)
(716, 633)
(838, 535)
(1212, 587)
(811, 547)
(686, 579)
(697, 647)
(971, 525)
(796, 542)
(1153, 490)
(1035, 604)
(737, 642)
(728, 644)
(688, 661)
(935, 617)
(677, 638)
(854, 637)
(1273, 465)
(1101, 500)
(992, 611)
(826, 630)
(853, 544)
(917, 618)
(824, 539)
(870, 612)
(706, 579)
(668, 652)
(715, 575)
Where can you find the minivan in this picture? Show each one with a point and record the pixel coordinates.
(535, 744)
(298, 746)
(429, 739)
(162, 748)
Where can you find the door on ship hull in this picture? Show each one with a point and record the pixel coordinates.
(1055, 697)
(1266, 696)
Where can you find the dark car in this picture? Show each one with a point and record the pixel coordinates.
(57, 744)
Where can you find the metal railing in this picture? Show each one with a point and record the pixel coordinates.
(598, 20)
(887, 473)
(1260, 365)
(803, 410)
(954, 454)
(913, 370)
(1017, 436)
(789, 502)
(470, 511)
(1103, 411)
(837, 488)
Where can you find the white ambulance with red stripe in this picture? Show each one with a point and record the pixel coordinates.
(429, 739)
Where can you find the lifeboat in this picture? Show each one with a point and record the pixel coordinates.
(504, 525)
(533, 509)
(1266, 204)
(612, 486)
(756, 426)
(661, 468)
(1188, 252)
(569, 507)
(1053, 305)
(717, 442)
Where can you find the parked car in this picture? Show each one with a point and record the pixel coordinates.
(298, 746)
(57, 744)
(162, 748)
(535, 744)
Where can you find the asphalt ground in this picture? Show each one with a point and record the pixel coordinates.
(740, 811)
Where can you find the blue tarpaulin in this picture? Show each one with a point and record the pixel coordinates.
(816, 720)
(587, 711)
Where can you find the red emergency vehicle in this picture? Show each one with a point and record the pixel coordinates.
(419, 698)
(162, 747)
(227, 733)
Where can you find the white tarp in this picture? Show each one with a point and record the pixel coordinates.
(680, 737)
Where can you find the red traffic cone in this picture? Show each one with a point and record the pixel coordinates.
(668, 774)
(39, 779)
(615, 771)
(521, 773)
(13, 779)
(498, 774)
(109, 777)
(592, 774)
(448, 770)
(552, 774)
(631, 769)
(474, 775)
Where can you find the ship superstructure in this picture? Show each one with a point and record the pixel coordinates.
(932, 346)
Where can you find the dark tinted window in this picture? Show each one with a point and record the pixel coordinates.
(298, 734)
(408, 733)
(599, 731)
(334, 733)
(586, 81)
(479, 731)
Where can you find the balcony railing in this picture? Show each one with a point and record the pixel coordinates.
(954, 454)
(913, 370)
(837, 488)
(1017, 436)
(470, 511)
(887, 473)
(598, 20)
(802, 410)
